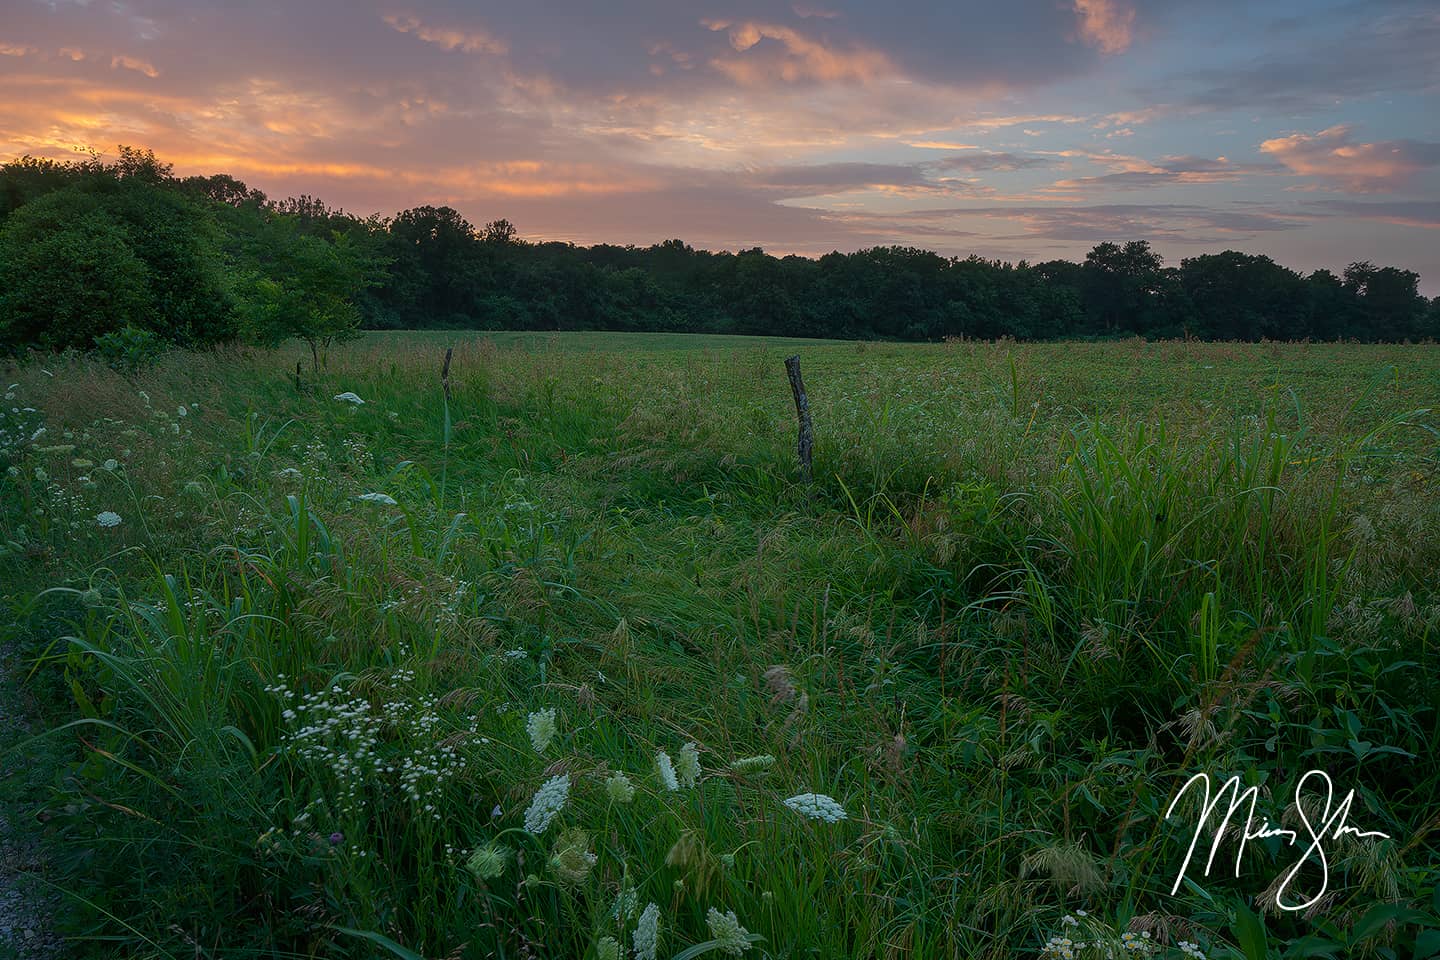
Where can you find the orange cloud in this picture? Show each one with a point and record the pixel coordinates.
(447, 38)
(1107, 24)
(1361, 167)
(800, 58)
(131, 63)
(11, 50)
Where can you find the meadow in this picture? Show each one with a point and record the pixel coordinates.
(571, 664)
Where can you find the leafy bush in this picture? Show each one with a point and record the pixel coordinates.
(95, 257)
(129, 348)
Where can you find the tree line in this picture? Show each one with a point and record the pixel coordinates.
(127, 257)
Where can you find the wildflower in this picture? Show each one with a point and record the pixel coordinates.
(757, 764)
(181, 411)
(488, 862)
(108, 518)
(349, 397)
(337, 838)
(626, 903)
(111, 464)
(541, 727)
(384, 498)
(726, 931)
(647, 933)
(817, 806)
(689, 765)
(607, 948)
(289, 473)
(516, 654)
(572, 858)
(666, 769)
(619, 788)
(38, 434)
(547, 802)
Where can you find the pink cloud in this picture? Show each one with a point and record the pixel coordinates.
(1106, 24)
(1332, 155)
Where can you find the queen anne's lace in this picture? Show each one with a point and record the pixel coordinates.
(689, 765)
(548, 801)
(666, 769)
(727, 933)
(647, 933)
(817, 806)
(541, 727)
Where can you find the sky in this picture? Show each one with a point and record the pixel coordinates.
(1017, 130)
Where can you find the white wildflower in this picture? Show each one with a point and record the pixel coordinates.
(689, 765)
(647, 933)
(607, 948)
(757, 764)
(384, 498)
(38, 434)
(619, 788)
(666, 769)
(108, 518)
(112, 464)
(817, 806)
(548, 801)
(180, 411)
(726, 931)
(626, 903)
(541, 727)
(289, 473)
(349, 397)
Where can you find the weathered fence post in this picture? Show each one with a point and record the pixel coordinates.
(445, 373)
(298, 388)
(802, 413)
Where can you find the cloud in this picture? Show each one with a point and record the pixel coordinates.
(1332, 155)
(133, 63)
(984, 160)
(1378, 52)
(1137, 174)
(447, 38)
(793, 57)
(1421, 213)
(1106, 24)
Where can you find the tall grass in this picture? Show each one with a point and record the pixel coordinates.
(1000, 630)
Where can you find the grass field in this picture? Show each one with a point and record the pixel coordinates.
(552, 665)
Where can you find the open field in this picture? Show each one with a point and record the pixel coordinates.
(1031, 591)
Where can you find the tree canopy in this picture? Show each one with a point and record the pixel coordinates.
(88, 248)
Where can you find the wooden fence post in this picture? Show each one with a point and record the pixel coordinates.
(802, 413)
(445, 373)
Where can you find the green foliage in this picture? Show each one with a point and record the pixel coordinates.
(1032, 590)
(307, 288)
(68, 274)
(110, 251)
(447, 273)
(129, 349)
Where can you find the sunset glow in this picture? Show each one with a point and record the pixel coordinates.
(1025, 130)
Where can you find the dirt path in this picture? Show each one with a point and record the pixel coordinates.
(25, 905)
